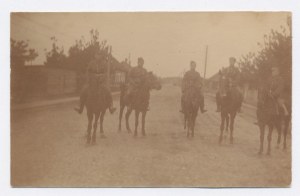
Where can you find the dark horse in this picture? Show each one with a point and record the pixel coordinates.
(191, 106)
(97, 103)
(268, 114)
(230, 104)
(139, 102)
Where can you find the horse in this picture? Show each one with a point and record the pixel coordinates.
(268, 114)
(97, 103)
(191, 104)
(139, 102)
(230, 104)
(285, 120)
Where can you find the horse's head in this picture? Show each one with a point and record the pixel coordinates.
(153, 81)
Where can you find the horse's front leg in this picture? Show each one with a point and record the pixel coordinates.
(279, 130)
(127, 115)
(262, 137)
(193, 124)
(101, 124)
(89, 128)
(269, 139)
(95, 128)
(184, 121)
(232, 117)
(226, 126)
(137, 113)
(188, 125)
(286, 128)
(120, 116)
(223, 116)
(143, 122)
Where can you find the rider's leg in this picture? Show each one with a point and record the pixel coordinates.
(182, 104)
(112, 109)
(201, 96)
(83, 97)
(281, 104)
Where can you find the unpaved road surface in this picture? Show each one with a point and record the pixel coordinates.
(48, 150)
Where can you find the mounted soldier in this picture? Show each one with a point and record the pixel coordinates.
(96, 81)
(275, 91)
(135, 78)
(232, 75)
(192, 82)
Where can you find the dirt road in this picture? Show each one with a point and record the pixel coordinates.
(48, 150)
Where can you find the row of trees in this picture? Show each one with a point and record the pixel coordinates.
(77, 58)
(276, 50)
(21, 53)
(79, 54)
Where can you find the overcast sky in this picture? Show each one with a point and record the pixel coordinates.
(166, 41)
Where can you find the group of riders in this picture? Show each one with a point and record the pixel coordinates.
(136, 76)
(96, 79)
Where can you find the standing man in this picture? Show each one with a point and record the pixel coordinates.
(96, 76)
(136, 78)
(192, 79)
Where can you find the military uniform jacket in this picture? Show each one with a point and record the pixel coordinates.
(137, 75)
(275, 86)
(96, 73)
(191, 79)
(232, 73)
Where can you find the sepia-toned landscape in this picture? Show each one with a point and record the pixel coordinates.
(146, 99)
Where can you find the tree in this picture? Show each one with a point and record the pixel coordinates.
(276, 50)
(55, 57)
(20, 53)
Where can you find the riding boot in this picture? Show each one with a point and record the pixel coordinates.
(82, 101)
(202, 104)
(182, 103)
(112, 109)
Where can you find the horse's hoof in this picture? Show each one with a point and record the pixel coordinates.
(231, 140)
(220, 140)
(284, 148)
(269, 153)
(144, 134)
(102, 136)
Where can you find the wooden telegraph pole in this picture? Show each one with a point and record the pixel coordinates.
(205, 64)
(108, 68)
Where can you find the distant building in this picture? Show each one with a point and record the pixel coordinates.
(32, 81)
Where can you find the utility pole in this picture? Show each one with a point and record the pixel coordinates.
(129, 61)
(205, 64)
(108, 68)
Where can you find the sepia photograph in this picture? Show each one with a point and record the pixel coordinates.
(151, 99)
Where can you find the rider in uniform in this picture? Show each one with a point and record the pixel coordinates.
(135, 78)
(232, 73)
(96, 77)
(192, 79)
(275, 91)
